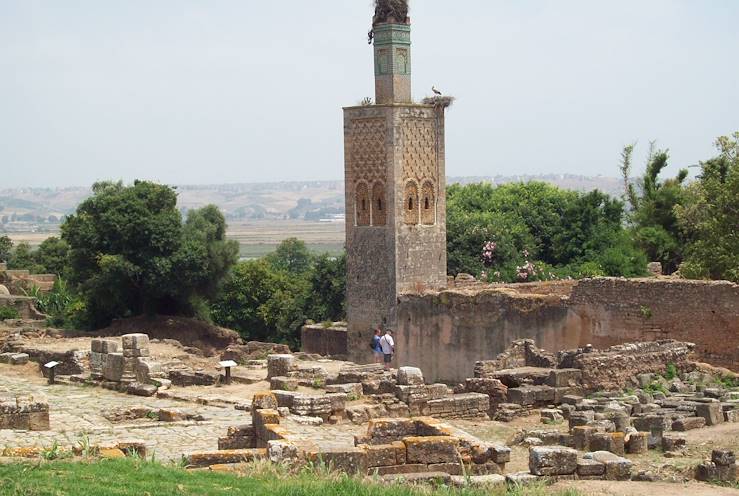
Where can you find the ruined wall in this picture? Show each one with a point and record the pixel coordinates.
(327, 341)
(25, 305)
(614, 311)
(444, 333)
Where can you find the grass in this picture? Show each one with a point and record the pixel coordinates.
(138, 477)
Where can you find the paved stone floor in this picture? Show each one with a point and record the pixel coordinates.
(77, 411)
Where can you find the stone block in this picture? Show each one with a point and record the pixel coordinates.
(385, 431)
(138, 389)
(410, 376)
(590, 468)
(551, 415)
(264, 400)
(564, 378)
(284, 398)
(711, 412)
(412, 468)
(353, 391)
(523, 396)
(135, 341)
(500, 454)
(723, 457)
(381, 455)
(638, 443)
(581, 437)
(446, 468)
(601, 441)
(113, 367)
(281, 383)
(731, 415)
(171, 415)
(263, 417)
(431, 449)
(279, 451)
(673, 442)
(136, 352)
(208, 458)
(545, 460)
(280, 365)
(147, 370)
(38, 421)
(580, 418)
(348, 460)
(616, 467)
(14, 358)
(655, 425)
(688, 423)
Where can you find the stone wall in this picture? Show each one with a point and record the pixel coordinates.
(25, 305)
(445, 333)
(326, 341)
(614, 311)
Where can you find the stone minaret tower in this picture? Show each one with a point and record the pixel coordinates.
(395, 193)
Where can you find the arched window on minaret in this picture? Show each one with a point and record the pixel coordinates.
(428, 209)
(362, 204)
(410, 209)
(379, 206)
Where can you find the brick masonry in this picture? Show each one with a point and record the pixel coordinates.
(445, 333)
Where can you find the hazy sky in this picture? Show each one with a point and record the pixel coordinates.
(185, 91)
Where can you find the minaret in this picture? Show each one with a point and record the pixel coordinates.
(395, 193)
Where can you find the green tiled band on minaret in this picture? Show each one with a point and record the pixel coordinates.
(392, 63)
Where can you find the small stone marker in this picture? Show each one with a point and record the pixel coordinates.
(51, 366)
(226, 365)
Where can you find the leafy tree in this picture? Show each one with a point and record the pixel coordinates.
(327, 288)
(130, 252)
(52, 255)
(653, 203)
(291, 256)
(6, 246)
(709, 219)
(23, 258)
(534, 231)
(255, 300)
(271, 298)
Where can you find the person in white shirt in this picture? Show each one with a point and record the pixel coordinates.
(388, 347)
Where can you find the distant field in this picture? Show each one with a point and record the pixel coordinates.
(257, 238)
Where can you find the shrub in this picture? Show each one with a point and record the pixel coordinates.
(9, 313)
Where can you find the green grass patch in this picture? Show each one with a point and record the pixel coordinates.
(140, 478)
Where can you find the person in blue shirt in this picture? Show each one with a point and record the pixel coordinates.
(376, 347)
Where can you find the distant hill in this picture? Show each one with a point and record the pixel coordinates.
(25, 209)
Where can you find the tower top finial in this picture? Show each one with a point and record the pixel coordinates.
(391, 11)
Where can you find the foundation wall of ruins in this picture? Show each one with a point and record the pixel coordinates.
(445, 333)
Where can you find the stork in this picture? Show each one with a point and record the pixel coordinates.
(436, 92)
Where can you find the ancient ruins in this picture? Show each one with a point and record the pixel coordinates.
(610, 379)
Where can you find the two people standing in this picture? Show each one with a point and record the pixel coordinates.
(383, 347)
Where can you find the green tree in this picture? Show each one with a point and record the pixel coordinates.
(709, 219)
(532, 231)
(653, 202)
(130, 252)
(291, 256)
(259, 302)
(23, 258)
(52, 255)
(6, 247)
(327, 289)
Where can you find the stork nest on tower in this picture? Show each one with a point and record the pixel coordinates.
(391, 11)
(439, 101)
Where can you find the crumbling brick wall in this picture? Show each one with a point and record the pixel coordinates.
(446, 333)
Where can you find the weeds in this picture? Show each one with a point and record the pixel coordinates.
(670, 371)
